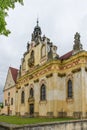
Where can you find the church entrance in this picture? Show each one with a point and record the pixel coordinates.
(8, 110)
(31, 109)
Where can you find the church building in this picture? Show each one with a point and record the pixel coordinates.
(47, 85)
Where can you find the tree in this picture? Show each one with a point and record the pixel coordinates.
(4, 7)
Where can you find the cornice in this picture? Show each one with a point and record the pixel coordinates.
(36, 70)
(54, 66)
(77, 60)
(9, 88)
(80, 54)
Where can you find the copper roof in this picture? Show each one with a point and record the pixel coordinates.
(14, 73)
(66, 56)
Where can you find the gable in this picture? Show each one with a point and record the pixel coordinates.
(9, 80)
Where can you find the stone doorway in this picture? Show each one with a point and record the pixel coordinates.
(8, 110)
(31, 109)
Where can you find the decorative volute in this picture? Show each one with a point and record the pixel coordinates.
(39, 51)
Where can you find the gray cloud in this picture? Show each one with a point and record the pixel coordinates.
(59, 20)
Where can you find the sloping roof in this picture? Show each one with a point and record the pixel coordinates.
(14, 73)
(66, 56)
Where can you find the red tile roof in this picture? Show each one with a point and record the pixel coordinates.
(14, 73)
(66, 56)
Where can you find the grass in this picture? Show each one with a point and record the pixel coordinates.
(21, 121)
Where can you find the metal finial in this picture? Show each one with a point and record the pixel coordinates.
(37, 21)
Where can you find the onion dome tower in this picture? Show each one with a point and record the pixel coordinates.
(36, 35)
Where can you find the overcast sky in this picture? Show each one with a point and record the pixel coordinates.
(59, 20)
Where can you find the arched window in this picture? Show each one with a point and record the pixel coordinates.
(31, 59)
(8, 93)
(43, 92)
(32, 54)
(31, 92)
(70, 93)
(43, 51)
(11, 101)
(22, 97)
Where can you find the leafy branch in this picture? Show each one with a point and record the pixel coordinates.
(4, 7)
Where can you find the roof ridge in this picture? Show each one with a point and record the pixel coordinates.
(66, 55)
(13, 68)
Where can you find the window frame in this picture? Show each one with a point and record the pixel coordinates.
(43, 48)
(11, 101)
(8, 93)
(5, 102)
(32, 54)
(43, 92)
(69, 89)
(22, 97)
(31, 92)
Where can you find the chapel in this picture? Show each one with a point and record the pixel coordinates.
(46, 84)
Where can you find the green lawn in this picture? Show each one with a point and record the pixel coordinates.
(22, 120)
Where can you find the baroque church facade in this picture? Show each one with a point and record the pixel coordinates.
(47, 85)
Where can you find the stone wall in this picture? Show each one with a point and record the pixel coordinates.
(69, 125)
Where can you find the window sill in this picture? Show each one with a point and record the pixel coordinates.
(22, 103)
(31, 99)
(43, 101)
(69, 100)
